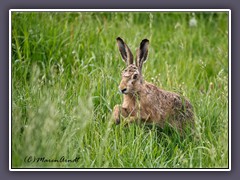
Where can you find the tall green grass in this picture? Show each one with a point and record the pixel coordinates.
(65, 73)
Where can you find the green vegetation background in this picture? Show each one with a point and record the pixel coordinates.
(65, 73)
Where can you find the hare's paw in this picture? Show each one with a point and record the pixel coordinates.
(116, 113)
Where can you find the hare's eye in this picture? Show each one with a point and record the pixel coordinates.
(135, 76)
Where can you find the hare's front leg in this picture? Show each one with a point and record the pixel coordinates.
(119, 111)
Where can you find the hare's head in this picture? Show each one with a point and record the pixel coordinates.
(132, 75)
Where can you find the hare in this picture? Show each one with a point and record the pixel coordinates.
(143, 101)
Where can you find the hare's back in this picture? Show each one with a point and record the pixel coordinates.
(167, 103)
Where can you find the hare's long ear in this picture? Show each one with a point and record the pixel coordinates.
(142, 53)
(125, 51)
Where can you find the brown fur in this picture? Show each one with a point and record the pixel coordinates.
(143, 101)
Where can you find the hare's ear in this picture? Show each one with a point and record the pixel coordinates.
(142, 53)
(125, 51)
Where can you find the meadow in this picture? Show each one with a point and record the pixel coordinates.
(65, 70)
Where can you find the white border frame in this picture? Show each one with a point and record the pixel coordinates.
(120, 10)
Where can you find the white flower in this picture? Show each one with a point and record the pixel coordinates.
(193, 22)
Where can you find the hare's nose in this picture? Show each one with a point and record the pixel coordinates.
(122, 90)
